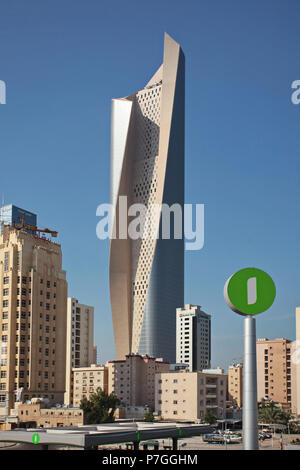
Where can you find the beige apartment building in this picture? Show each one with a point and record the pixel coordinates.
(133, 379)
(235, 384)
(86, 380)
(39, 414)
(80, 340)
(33, 315)
(276, 373)
(187, 396)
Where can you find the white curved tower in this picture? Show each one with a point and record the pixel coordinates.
(147, 166)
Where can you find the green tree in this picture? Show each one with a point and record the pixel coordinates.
(210, 418)
(149, 417)
(100, 408)
(271, 414)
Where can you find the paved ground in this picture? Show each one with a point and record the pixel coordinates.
(196, 443)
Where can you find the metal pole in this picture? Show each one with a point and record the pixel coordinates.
(136, 445)
(175, 441)
(250, 414)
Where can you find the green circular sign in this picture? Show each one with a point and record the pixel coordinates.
(35, 438)
(249, 291)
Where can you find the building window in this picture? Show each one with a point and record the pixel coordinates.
(6, 261)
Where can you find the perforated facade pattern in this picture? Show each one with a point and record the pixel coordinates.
(145, 177)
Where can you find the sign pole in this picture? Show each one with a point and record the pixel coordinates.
(248, 292)
(250, 412)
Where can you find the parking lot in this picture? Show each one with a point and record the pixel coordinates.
(196, 443)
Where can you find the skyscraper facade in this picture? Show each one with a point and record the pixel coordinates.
(33, 314)
(193, 337)
(147, 166)
(80, 340)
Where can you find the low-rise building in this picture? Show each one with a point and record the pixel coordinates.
(86, 380)
(40, 414)
(132, 412)
(187, 396)
(133, 379)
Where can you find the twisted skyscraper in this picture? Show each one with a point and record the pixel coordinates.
(147, 166)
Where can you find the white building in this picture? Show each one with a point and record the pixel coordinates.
(80, 340)
(193, 337)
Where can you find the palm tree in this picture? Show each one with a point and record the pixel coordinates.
(271, 414)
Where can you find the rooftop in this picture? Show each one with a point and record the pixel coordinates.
(87, 436)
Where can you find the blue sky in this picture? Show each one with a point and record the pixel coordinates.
(63, 61)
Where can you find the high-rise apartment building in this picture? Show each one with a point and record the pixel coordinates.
(275, 370)
(193, 337)
(187, 396)
(95, 355)
(235, 384)
(80, 340)
(147, 167)
(133, 379)
(33, 318)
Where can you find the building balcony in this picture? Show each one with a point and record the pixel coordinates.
(211, 405)
(211, 385)
(211, 395)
